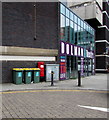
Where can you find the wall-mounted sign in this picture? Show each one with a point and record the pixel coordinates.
(62, 67)
(73, 50)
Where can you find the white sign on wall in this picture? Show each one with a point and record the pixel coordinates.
(71, 49)
(67, 48)
(79, 52)
(82, 52)
(62, 48)
(75, 50)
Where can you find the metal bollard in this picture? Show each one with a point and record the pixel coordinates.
(52, 84)
(79, 78)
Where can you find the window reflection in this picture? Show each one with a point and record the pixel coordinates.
(71, 16)
(75, 19)
(71, 32)
(75, 30)
(78, 21)
(67, 30)
(62, 8)
(67, 13)
(62, 24)
(82, 24)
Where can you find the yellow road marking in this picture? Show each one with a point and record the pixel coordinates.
(32, 91)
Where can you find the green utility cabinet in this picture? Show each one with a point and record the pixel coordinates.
(36, 75)
(17, 75)
(27, 75)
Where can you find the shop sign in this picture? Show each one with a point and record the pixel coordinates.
(73, 50)
(62, 67)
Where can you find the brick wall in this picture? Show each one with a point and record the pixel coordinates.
(19, 25)
(7, 68)
(18, 29)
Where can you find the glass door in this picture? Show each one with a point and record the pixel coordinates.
(68, 67)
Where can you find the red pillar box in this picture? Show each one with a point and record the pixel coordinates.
(42, 69)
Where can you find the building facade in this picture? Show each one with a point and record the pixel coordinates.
(48, 32)
(27, 37)
(102, 41)
(77, 45)
(96, 13)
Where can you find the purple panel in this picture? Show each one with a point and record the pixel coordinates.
(62, 77)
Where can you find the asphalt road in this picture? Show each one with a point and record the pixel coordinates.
(53, 104)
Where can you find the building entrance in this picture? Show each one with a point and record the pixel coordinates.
(72, 68)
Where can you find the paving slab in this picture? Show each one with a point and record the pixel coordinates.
(95, 82)
(54, 104)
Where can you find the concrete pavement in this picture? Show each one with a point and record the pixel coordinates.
(96, 82)
(63, 100)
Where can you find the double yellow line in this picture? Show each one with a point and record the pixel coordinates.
(34, 91)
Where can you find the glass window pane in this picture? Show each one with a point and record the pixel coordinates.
(85, 27)
(67, 30)
(67, 12)
(89, 29)
(78, 28)
(82, 37)
(71, 16)
(62, 25)
(79, 35)
(62, 20)
(75, 27)
(75, 30)
(78, 21)
(75, 19)
(71, 24)
(62, 8)
(93, 32)
(71, 32)
(82, 24)
(67, 22)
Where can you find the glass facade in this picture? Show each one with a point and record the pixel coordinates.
(75, 31)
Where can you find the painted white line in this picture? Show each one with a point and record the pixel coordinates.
(96, 108)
